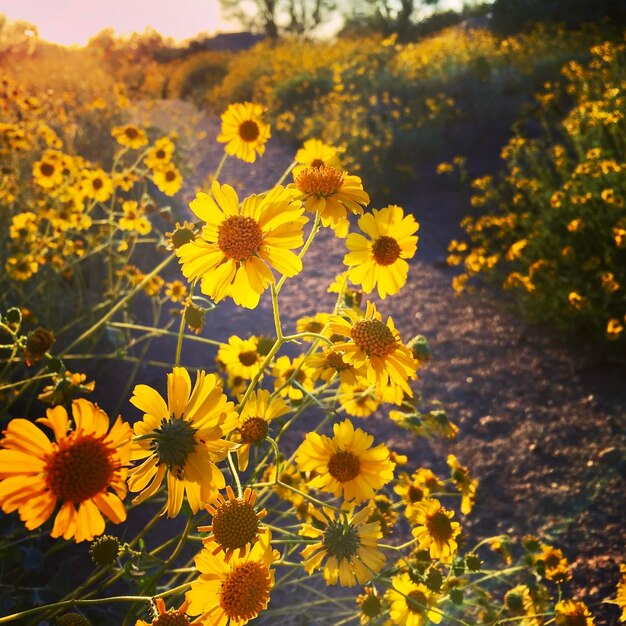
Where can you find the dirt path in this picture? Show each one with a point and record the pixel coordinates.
(541, 425)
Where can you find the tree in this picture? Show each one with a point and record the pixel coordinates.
(276, 17)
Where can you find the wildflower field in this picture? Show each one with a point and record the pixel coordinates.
(241, 377)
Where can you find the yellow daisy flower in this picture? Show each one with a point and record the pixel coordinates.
(97, 185)
(330, 362)
(48, 172)
(519, 601)
(434, 531)
(240, 357)
(348, 545)
(332, 193)
(553, 564)
(380, 260)
(376, 345)
(412, 604)
(358, 400)
(243, 131)
(464, 483)
(313, 324)
(370, 605)
(235, 524)
(346, 465)
(236, 590)
(159, 155)
(620, 598)
(130, 136)
(253, 422)
(134, 218)
(176, 291)
(284, 369)
(240, 245)
(181, 440)
(315, 153)
(164, 617)
(77, 471)
(168, 179)
(570, 613)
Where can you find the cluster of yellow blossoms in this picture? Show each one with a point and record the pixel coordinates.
(338, 496)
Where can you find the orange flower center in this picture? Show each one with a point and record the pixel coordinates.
(46, 169)
(171, 618)
(322, 181)
(249, 131)
(416, 601)
(386, 250)
(246, 591)
(373, 337)
(79, 469)
(253, 430)
(439, 527)
(248, 358)
(235, 524)
(344, 466)
(335, 360)
(239, 237)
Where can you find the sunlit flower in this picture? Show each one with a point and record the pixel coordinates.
(181, 440)
(620, 598)
(346, 465)
(315, 153)
(332, 193)
(253, 423)
(358, 400)
(287, 372)
(236, 590)
(464, 483)
(240, 357)
(370, 604)
(570, 613)
(376, 345)
(167, 617)
(235, 524)
(329, 362)
(130, 136)
(97, 185)
(380, 260)
(134, 218)
(347, 546)
(434, 529)
(552, 564)
(48, 172)
(240, 245)
(243, 131)
(77, 471)
(412, 603)
(159, 155)
(21, 267)
(168, 179)
(176, 291)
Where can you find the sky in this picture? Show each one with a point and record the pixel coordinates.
(75, 21)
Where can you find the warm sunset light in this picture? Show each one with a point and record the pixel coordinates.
(75, 21)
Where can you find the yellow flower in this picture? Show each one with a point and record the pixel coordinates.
(348, 545)
(370, 604)
(239, 245)
(77, 471)
(240, 357)
(130, 136)
(330, 362)
(464, 483)
(176, 291)
(48, 172)
(243, 131)
(358, 400)
(22, 267)
(134, 218)
(346, 465)
(315, 153)
(570, 613)
(97, 185)
(164, 617)
(285, 369)
(380, 260)
(235, 523)
(620, 598)
(553, 565)
(332, 193)
(376, 345)
(313, 324)
(236, 590)
(412, 604)
(168, 179)
(253, 422)
(181, 439)
(434, 530)
(160, 154)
